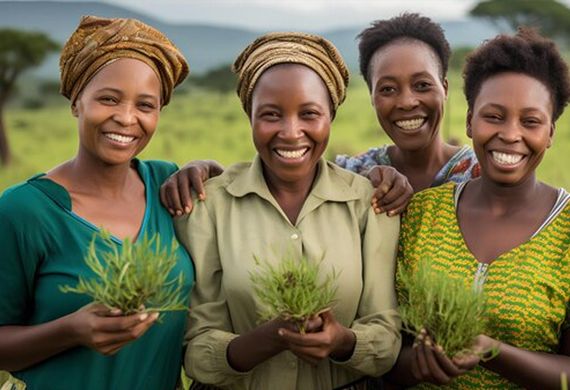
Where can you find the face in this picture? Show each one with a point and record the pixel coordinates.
(290, 119)
(118, 111)
(511, 127)
(407, 93)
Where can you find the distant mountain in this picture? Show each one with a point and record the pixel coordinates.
(204, 46)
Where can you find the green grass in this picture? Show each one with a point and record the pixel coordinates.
(206, 125)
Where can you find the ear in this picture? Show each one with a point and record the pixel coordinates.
(445, 86)
(74, 110)
(551, 135)
(468, 124)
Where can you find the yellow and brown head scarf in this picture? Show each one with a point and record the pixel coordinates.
(98, 41)
(289, 47)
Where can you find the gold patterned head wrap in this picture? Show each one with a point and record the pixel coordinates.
(290, 47)
(99, 41)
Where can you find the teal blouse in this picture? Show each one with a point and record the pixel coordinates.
(43, 244)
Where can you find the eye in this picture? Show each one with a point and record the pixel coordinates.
(531, 122)
(385, 90)
(310, 114)
(492, 117)
(146, 106)
(423, 86)
(271, 116)
(108, 100)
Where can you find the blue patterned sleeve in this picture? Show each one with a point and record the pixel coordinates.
(364, 161)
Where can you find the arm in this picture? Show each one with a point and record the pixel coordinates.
(392, 189)
(175, 192)
(21, 345)
(215, 354)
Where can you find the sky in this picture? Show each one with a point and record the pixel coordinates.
(293, 14)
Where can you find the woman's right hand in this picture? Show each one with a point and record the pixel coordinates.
(107, 330)
(175, 192)
(431, 364)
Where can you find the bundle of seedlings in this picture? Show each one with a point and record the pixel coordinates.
(133, 279)
(293, 289)
(451, 311)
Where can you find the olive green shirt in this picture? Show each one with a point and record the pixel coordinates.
(239, 219)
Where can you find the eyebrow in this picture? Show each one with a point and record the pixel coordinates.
(118, 91)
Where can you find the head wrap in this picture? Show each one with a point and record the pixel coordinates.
(289, 47)
(98, 41)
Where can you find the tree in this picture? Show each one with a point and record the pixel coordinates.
(19, 51)
(551, 17)
(220, 79)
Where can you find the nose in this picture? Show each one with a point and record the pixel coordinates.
(510, 132)
(125, 115)
(292, 128)
(407, 99)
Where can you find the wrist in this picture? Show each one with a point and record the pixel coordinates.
(345, 348)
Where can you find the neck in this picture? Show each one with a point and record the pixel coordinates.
(92, 175)
(427, 159)
(505, 199)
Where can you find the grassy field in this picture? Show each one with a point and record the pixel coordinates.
(206, 125)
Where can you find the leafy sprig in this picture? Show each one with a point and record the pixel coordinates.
(133, 279)
(292, 289)
(452, 311)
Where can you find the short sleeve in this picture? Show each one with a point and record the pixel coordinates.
(364, 161)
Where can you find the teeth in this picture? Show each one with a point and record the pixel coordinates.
(507, 159)
(291, 153)
(410, 124)
(124, 139)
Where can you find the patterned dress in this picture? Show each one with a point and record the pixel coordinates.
(528, 287)
(462, 167)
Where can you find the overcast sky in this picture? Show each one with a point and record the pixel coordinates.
(294, 14)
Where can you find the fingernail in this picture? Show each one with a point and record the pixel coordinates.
(143, 316)
(380, 210)
(280, 332)
(187, 209)
(427, 343)
(171, 211)
(178, 212)
(155, 315)
(201, 196)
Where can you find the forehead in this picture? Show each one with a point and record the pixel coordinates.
(291, 78)
(405, 56)
(515, 90)
(125, 72)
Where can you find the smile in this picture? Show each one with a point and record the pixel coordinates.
(123, 139)
(291, 154)
(507, 158)
(411, 124)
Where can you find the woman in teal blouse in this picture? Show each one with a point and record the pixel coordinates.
(118, 74)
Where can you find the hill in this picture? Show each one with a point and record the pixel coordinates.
(204, 46)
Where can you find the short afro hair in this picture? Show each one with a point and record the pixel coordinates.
(411, 26)
(528, 53)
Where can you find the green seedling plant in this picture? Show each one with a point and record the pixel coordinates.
(451, 311)
(293, 289)
(133, 279)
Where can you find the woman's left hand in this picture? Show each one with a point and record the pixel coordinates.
(334, 340)
(392, 190)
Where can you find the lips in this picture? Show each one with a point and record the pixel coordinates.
(291, 154)
(410, 124)
(120, 138)
(507, 159)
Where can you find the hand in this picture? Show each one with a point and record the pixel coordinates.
(431, 364)
(393, 191)
(332, 340)
(107, 330)
(175, 192)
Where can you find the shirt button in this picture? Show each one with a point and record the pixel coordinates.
(294, 236)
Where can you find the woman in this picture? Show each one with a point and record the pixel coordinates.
(118, 74)
(404, 61)
(289, 200)
(516, 88)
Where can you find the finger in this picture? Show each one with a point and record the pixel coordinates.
(445, 363)
(301, 340)
(164, 199)
(122, 324)
(314, 324)
(397, 206)
(215, 168)
(421, 361)
(168, 197)
(466, 362)
(173, 194)
(436, 371)
(184, 186)
(375, 176)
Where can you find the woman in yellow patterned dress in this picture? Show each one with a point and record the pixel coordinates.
(506, 228)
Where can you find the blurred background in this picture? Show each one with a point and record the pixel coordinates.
(204, 120)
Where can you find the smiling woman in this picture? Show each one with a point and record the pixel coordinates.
(118, 74)
(290, 202)
(506, 231)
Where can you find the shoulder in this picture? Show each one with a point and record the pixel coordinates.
(20, 199)
(432, 200)
(234, 173)
(343, 178)
(362, 161)
(157, 170)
